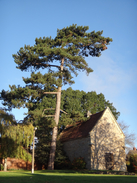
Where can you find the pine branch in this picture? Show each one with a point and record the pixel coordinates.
(45, 65)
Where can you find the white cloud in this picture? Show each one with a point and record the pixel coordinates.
(108, 78)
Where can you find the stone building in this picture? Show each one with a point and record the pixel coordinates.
(99, 140)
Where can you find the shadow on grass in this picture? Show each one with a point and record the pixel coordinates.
(46, 177)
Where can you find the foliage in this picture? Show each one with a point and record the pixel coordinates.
(44, 135)
(78, 163)
(133, 164)
(15, 139)
(61, 159)
(1, 167)
(72, 43)
(80, 101)
(63, 165)
(6, 118)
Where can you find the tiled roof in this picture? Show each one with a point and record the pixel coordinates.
(81, 129)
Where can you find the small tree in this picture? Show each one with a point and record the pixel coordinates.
(15, 141)
(15, 138)
(69, 48)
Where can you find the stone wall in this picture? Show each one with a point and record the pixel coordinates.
(103, 149)
(107, 145)
(78, 148)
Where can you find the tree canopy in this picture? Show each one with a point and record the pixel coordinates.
(76, 100)
(72, 43)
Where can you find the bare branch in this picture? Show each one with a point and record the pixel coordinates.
(49, 116)
(50, 92)
(63, 111)
(49, 109)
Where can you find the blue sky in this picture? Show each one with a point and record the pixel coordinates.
(115, 72)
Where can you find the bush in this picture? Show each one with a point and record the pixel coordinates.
(133, 164)
(1, 167)
(63, 165)
(61, 159)
(78, 163)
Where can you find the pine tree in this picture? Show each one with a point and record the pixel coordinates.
(62, 56)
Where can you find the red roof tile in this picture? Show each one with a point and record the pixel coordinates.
(81, 129)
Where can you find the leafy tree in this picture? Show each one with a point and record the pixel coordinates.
(15, 141)
(69, 48)
(14, 138)
(75, 100)
(6, 120)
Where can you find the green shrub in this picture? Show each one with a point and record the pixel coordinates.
(1, 167)
(133, 164)
(78, 163)
(61, 159)
(63, 165)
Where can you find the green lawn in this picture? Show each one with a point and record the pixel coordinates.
(62, 177)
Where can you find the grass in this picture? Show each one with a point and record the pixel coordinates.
(62, 176)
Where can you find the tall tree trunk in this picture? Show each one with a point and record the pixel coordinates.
(55, 129)
(53, 148)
